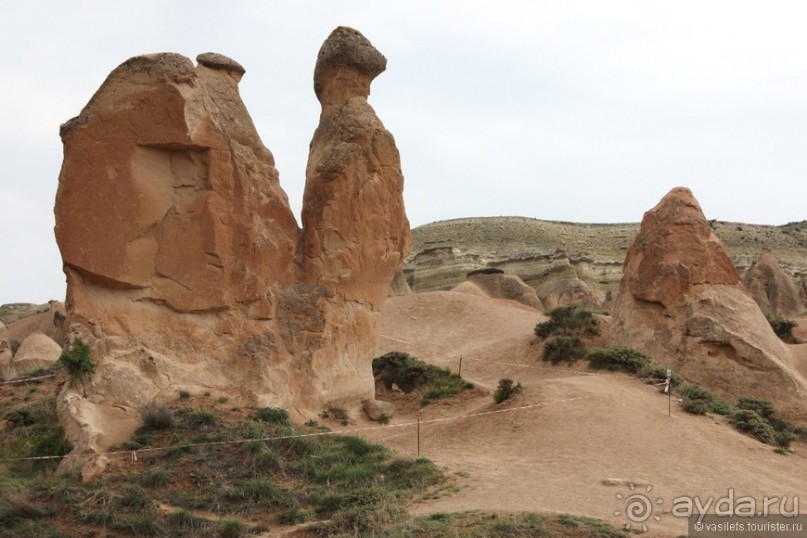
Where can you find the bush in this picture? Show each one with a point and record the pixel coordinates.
(568, 321)
(410, 374)
(783, 328)
(505, 390)
(751, 423)
(273, 415)
(77, 360)
(699, 401)
(563, 348)
(763, 408)
(157, 416)
(52, 443)
(617, 358)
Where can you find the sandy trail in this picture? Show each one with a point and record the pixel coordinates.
(577, 438)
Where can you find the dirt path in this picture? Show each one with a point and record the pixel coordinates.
(578, 439)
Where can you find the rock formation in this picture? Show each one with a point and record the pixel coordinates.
(36, 351)
(185, 266)
(399, 285)
(569, 291)
(682, 303)
(775, 291)
(498, 285)
(48, 319)
(5, 353)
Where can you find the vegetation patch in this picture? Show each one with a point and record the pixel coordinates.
(783, 328)
(617, 358)
(699, 401)
(506, 390)
(410, 374)
(559, 349)
(259, 470)
(568, 321)
(77, 360)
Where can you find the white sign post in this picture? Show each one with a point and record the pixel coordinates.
(668, 390)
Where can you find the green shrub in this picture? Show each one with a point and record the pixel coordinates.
(568, 321)
(77, 360)
(410, 374)
(202, 418)
(230, 528)
(751, 423)
(617, 358)
(763, 408)
(699, 401)
(52, 443)
(505, 390)
(14, 512)
(155, 478)
(157, 416)
(563, 348)
(783, 328)
(273, 415)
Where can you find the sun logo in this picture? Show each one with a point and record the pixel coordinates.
(638, 507)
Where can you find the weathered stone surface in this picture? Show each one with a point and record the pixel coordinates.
(5, 353)
(185, 265)
(502, 286)
(378, 409)
(399, 285)
(774, 290)
(48, 320)
(682, 303)
(36, 351)
(569, 291)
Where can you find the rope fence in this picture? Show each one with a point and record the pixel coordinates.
(26, 380)
(133, 453)
(419, 423)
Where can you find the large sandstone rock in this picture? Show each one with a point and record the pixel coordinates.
(682, 302)
(498, 285)
(185, 266)
(775, 291)
(48, 319)
(568, 292)
(36, 351)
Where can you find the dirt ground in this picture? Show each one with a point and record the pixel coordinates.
(572, 441)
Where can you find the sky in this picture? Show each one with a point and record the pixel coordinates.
(581, 111)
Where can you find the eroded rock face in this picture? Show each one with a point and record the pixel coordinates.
(682, 303)
(775, 291)
(5, 353)
(185, 266)
(36, 351)
(568, 292)
(498, 285)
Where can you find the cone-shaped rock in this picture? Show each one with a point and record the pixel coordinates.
(682, 303)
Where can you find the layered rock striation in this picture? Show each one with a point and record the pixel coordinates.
(186, 269)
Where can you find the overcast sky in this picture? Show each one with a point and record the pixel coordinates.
(585, 111)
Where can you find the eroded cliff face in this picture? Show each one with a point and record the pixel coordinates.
(775, 291)
(186, 269)
(682, 303)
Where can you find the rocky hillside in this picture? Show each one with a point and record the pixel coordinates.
(538, 250)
